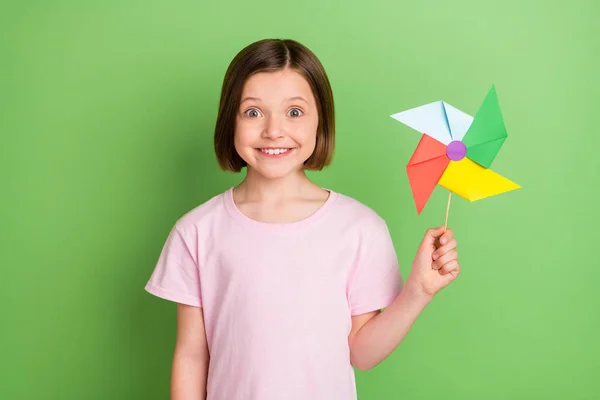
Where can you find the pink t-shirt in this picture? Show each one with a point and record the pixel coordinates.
(278, 298)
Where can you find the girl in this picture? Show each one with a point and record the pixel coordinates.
(280, 283)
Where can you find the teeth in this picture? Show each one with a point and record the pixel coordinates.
(274, 151)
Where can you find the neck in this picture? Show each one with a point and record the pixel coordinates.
(256, 188)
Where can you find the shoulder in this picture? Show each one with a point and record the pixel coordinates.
(359, 215)
(203, 214)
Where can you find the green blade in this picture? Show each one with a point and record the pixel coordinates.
(487, 131)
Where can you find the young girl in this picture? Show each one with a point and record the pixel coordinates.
(280, 283)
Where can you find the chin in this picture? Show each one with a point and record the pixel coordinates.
(275, 173)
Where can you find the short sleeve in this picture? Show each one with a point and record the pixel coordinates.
(176, 274)
(376, 281)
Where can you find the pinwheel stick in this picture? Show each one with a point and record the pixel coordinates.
(447, 210)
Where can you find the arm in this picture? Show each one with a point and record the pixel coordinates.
(376, 334)
(190, 360)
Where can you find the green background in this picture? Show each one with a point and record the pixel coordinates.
(106, 117)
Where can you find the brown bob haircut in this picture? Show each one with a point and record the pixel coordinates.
(270, 55)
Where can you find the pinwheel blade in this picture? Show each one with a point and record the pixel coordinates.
(425, 168)
(474, 182)
(429, 119)
(458, 121)
(487, 132)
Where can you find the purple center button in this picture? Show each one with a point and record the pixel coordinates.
(456, 150)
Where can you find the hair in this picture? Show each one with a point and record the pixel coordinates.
(269, 55)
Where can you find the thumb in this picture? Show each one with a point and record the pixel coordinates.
(431, 235)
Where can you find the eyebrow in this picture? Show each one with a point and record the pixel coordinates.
(288, 99)
(250, 98)
(298, 98)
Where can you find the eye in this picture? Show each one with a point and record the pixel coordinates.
(252, 113)
(295, 112)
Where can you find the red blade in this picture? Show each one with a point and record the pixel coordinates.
(427, 149)
(425, 168)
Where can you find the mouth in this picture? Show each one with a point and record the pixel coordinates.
(275, 152)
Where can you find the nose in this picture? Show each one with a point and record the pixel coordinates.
(273, 128)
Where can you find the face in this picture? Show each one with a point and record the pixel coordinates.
(276, 127)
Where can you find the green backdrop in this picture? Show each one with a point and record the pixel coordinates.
(106, 117)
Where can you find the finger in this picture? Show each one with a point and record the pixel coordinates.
(449, 256)
(447, 236)
(451, 267)
(444, 249)
(431, 235)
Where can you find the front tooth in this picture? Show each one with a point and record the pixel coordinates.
(275, 151)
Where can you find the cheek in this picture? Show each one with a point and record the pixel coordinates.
(245, 135)
(310, 133)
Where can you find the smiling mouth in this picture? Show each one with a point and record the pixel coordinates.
(275, 152)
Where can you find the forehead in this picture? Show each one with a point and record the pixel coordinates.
(279, 84)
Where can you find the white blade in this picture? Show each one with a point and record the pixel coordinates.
(429, 119)
(459, 121)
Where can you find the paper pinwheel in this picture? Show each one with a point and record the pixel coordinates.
(456, 150)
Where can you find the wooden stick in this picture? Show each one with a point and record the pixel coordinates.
(447, 210)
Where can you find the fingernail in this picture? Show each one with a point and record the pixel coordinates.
(443, 241)
(435, 256)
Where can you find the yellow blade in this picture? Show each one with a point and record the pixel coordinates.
(474, 182)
